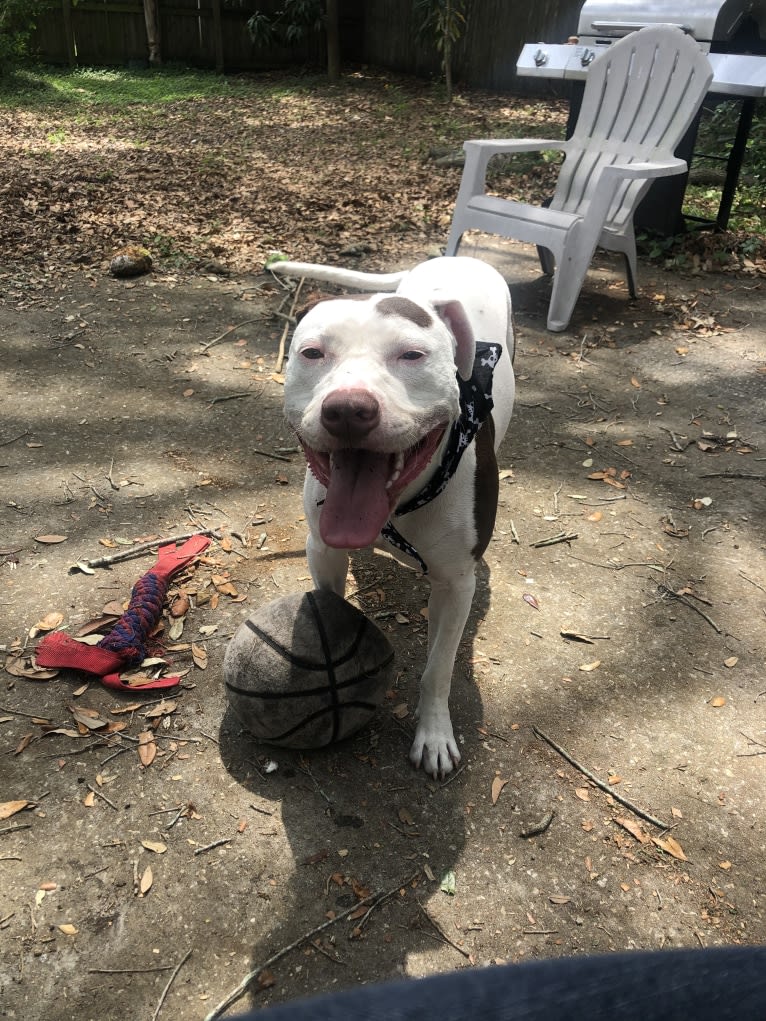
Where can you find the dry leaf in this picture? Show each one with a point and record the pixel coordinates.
(624, 443)
(725, 865)
(671, 846)
(676, 813)
(23, 743)
(145, 883)
(154, 845)
(731, 661)
(718, 701)
(595, 516)
(163, 708)
(50, 540)
(89, 800)
(497, 786)
(634, 829)
(400, 711)
(583, 793)
(587, 667)
(405, 816)
(634, 382)
(24, 666)
(180, 605)
(147, 749)
(199, 655)
(9, 808)
(68, 929)
(48, 623)
(558, 898)
(529, 598)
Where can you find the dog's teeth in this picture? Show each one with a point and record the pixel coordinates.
(398, 464)
(394, 477)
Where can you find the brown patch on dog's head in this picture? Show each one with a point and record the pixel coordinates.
(396, 306)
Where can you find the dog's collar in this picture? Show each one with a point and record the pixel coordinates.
(476, 403)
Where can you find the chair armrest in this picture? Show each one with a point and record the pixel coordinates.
(634, 171)
(497, 146)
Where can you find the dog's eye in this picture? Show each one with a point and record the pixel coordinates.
(411, 356)
(312, 353)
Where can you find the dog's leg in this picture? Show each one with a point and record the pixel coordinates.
(448, 607)
(328, 566)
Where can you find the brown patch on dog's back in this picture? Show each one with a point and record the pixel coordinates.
(486, 486)
(396, 306)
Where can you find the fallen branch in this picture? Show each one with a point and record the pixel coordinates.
(443, 935)
(178, 967)
(687, 602)
(139, 548)
(210, 847)
(600, 783)
(225, 334)
(274, 457)
(283, 339)
(97, 792)
(241, 989)
(233, 397)
(7, 443)
(553, 539)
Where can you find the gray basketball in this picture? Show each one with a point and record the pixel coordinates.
(307, 670)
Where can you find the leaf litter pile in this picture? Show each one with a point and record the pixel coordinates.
(305, 169)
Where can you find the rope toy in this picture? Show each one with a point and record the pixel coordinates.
(125, 645)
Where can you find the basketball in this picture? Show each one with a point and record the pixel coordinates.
(307, 670)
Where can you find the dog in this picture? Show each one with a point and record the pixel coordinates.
(400, 401)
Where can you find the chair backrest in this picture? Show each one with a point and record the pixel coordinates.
(640, 96)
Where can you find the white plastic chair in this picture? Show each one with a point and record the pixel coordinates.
(641, 94)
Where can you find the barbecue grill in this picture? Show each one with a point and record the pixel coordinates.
(733, 35)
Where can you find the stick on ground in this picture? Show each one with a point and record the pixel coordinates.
(241, 989)
(600, 783)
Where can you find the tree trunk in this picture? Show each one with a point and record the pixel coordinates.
(152, 19)
(66, 10)
(332, 30)
(217, 36)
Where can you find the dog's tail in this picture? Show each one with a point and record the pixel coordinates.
(337, 275)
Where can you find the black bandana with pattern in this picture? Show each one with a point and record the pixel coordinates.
(475, 405)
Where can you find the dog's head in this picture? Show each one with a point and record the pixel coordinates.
(371, 390)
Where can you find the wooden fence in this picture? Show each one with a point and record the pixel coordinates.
(213, 34)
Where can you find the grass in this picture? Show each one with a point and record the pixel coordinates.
(44, 87)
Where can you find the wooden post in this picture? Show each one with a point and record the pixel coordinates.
(71, 53)
(217, 36)
(152, 19)
(332, 30)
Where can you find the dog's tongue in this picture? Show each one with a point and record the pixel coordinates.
(356, 506)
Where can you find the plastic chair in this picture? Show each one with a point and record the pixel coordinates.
(641, 94)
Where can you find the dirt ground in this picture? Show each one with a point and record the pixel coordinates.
(119, 425)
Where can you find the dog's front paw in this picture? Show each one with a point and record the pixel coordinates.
(434, 748)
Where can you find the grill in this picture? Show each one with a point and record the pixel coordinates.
(733, 35)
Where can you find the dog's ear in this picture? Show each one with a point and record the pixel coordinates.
(452, 314)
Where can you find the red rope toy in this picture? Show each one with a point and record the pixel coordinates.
(125, 645)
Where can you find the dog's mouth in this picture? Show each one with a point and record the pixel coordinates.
(363, 487)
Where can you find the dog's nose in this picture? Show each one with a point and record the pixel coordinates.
(350, 414)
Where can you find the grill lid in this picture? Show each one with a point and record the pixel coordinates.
(706, 20)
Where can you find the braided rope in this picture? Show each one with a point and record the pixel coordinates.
(130, 633)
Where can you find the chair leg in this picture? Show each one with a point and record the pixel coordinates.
(547, 262)
(454, 239)
(567, 284)
(630, 272)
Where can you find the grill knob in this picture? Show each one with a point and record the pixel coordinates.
(540, 58)
(587, 57)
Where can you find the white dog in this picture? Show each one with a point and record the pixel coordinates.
(400, 402)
